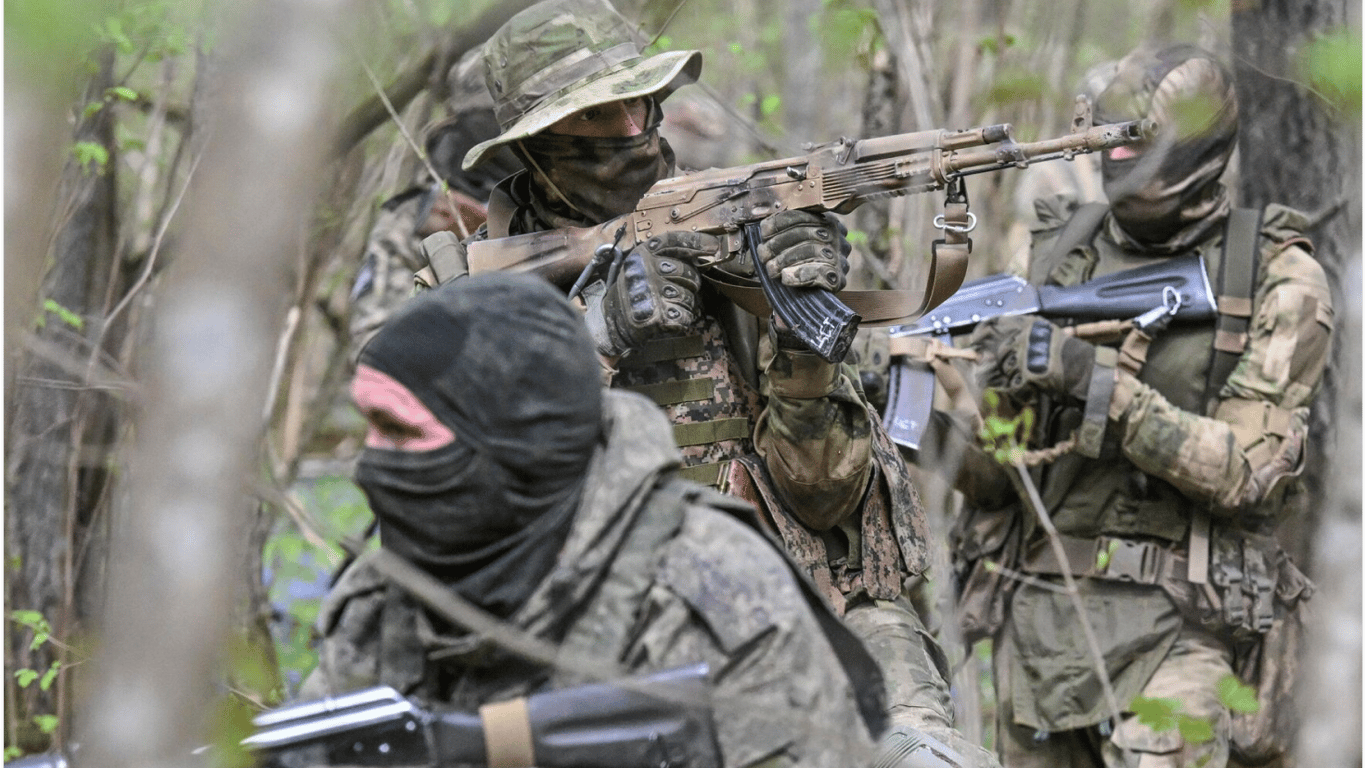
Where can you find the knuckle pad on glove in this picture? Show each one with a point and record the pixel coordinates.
(1038, 348)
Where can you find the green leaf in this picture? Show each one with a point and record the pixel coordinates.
(113, 30)
(35, 621)
(1332, 64)
(1104, 555)
(91, 108)
(89, 153)
(50, 675)
(1157, 714)
(770, 104)
(737, 49)
(67, 316)
(857, 238)
(46, 723)
(1236, 696)
(121, 92)
(1195, 730)
(13, 753)
(25, 677)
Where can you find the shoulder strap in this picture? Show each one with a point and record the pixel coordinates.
(501, 207)
(1237, 277)
(1079, 229)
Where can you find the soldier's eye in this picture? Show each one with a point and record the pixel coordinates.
(590, 114)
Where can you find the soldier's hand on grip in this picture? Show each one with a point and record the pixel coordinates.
(1023, 354)
(805, 250)
(655, 293)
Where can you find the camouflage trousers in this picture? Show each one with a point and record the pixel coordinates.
(1189, 673)
(916, 675)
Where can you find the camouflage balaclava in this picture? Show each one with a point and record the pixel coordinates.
(562, 56)
(1170, 195)
(581, 180)
(506, 363)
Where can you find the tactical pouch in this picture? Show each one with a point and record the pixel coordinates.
(982, 542)
(1271, 664)
(1254, 597)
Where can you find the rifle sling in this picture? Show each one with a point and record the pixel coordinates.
(1079, 229)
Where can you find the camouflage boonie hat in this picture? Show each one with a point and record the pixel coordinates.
(560, 56)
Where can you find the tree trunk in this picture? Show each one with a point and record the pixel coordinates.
(46, 468)
(1295, 149)
(179, 543)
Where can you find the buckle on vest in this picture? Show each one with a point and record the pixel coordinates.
(1133, 561)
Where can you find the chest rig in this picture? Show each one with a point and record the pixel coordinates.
(1143, 522)
(707, 388)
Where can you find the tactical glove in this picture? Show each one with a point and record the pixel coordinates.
(1023, 354)
(805, 250)
(655, 293)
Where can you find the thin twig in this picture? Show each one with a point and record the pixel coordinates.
(421, 153)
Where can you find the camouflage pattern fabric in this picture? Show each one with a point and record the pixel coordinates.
(560, 56)
(712, 589)
(1167, 457)
(393, 252)
(1189, 672)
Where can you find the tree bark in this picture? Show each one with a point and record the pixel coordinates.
(177, 549)
(46, 466)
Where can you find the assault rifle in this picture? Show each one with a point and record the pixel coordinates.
(836, 177)
(645, 722)
(1146, 298)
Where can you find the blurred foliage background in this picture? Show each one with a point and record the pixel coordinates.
(106, 106)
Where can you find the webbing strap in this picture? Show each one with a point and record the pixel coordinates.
(1237, 276)
(672, 392)
(707, 474)
(1106, 557)
(704, 432)
(664, 348)
(1078, 230)
(507, 734)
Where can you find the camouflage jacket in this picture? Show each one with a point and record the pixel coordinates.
(1176, 475)
(648, 584)
(792, 434)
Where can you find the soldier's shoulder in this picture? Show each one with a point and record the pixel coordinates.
(360, 583)
(1288, 254)
(1052, 211)
(732, 577)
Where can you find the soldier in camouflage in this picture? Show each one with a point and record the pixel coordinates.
(1168, 524)
(496, 462)
(756, 414)
(393, 249)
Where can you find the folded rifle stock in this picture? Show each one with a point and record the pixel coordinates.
(1147, 298)
(642, 722)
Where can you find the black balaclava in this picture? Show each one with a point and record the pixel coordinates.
(585, 180)
(1171, 196)
(507, 363)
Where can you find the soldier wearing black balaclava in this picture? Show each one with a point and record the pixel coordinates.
(756, 414)
(495, 461)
